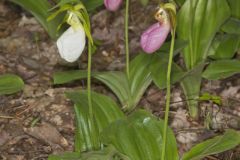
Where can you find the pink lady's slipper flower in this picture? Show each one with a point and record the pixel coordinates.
(112, 5)
(153, 38)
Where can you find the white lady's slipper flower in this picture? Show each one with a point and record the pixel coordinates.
(72, 42)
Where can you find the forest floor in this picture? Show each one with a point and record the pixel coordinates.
(40, 121)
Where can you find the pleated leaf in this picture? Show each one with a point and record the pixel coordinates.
(87, 130)
(128, 92)
(224, 46)
(179, 2)
(191, 86)
(10, 84)
(232, 26)
(118, 83)
(221, 69)
(69, 76)
(40, 10)
(92, 4)
(234, 5)
(140, 77)
(199, 21)
(215, 145)
(139, 136)
(108, 153)
(159, 72)
(65, 156)
(159, 64)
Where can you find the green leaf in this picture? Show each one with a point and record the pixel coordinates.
(159, 72)
(140, 77)
(232, 26)
(234, 5)
(209, 97)
(239, 47)
(108, 153)
(118, 83)
(105, 112)
(69, 76)
(221, 69)
(139, 136)
(65, 156)
(165, 48)
(115, 80)
(61, 3)
(10, 84)
(224, 46)
(40, 10)
(199, 20)
(92, 4)
(129, 92)
(215, 145)
(191, 86)
(53, 15)
(159, 64)
(180, 2)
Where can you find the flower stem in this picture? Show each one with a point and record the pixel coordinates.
(94, 128)
(89, 81)
(191, 55)
(126, 38)
(168, 95)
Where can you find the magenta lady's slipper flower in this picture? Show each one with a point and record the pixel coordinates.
(112, 5)
(153, 38)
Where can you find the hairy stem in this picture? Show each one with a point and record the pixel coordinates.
(126, 37)
(168, 95)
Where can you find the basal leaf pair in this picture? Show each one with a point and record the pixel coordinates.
(129, 92)
(137, 136)
(143, 69)
(200, 24)
(209, 50)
